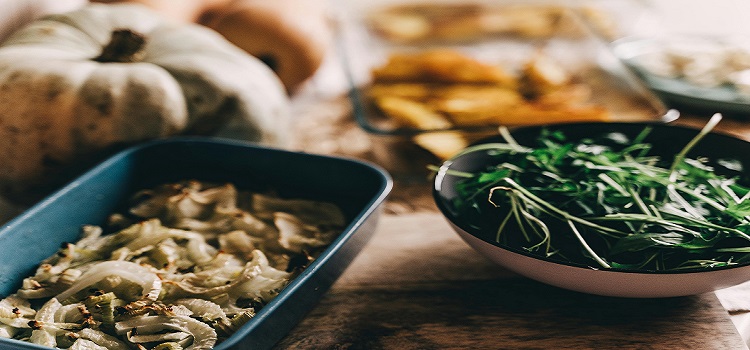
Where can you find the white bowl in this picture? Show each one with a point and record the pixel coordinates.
(589, 279)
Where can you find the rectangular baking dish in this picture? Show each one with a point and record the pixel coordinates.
(358, 188)
(575, 43)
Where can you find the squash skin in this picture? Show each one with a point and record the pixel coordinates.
(58, 108)
(292, 36)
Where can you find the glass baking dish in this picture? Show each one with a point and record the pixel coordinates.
(566, 37)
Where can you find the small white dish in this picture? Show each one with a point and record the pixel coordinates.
(702, 81)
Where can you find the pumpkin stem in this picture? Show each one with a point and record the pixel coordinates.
(124, 46)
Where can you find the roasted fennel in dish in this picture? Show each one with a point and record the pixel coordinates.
(183, 268)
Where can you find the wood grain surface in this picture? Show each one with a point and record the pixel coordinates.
(417, 285)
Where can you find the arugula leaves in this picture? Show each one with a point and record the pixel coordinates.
(607, 202)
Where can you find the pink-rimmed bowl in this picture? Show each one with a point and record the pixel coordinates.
(667, 141)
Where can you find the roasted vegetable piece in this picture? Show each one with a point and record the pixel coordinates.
(186, 273)
(441, 66)
(442, 89)
(292, 36)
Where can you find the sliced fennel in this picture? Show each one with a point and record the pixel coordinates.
(184, 268)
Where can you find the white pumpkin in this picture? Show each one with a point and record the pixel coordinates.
(17, 13)
(106, 75)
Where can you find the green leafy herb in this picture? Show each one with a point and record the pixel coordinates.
(608, 203)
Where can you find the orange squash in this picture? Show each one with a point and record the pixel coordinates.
(291, 36)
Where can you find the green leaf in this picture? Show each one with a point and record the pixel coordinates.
(648, 209)
(639, 242)
(741, 209)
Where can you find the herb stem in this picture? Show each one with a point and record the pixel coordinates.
(586, 246)
(715, 119)
(564, 214)
(505, 133)
(639, 201)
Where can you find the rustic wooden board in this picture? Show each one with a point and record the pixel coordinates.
(418, 286)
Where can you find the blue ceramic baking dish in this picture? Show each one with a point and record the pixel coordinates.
(357, 187)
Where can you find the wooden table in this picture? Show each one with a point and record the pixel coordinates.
(417, 285)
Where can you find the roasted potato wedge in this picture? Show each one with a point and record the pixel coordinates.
(444, 89)
(443, 144)
(412, 113)
(441, 66)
